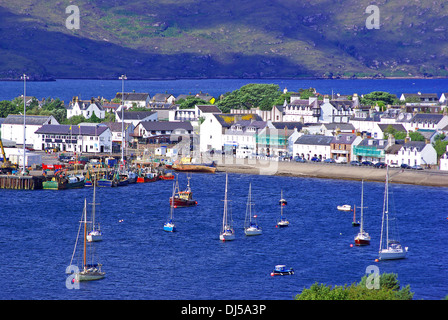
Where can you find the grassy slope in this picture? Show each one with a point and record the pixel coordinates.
(213, 38)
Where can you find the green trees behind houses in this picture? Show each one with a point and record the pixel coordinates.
(252, 95)
(389, 289)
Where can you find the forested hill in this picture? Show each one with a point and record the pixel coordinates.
(223, 38)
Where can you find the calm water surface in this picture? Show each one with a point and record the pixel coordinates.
(66, 89)
(38, 230)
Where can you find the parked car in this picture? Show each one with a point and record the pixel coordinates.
(367, 163)
(380, 165)
(416, 167)
(394, 165)
(341, 160)
(315, 159)
(329, 160)
(355, 163)
(299, 159)
(405, 166)
(64, 158)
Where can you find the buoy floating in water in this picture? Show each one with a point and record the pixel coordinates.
(351, 245)
(376, 260)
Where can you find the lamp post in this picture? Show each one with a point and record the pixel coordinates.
(122, 78)
(24, 77)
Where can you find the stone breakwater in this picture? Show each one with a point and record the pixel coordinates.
(429, 177)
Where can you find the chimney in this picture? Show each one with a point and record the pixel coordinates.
(390, 140)
(408, 138)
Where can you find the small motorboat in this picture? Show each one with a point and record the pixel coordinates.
(345, 207)
(281, 270)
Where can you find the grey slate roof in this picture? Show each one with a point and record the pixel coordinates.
(135, 115)
(166, 125)
(30, 120)
(64, 129)
(209, 108)
(133, 96)
(344, 138)
(314, 140)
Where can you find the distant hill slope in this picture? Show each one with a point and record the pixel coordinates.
(216, 38)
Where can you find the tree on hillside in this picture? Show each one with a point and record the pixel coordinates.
(252, 95)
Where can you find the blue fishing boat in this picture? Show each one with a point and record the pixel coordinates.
(281, 270)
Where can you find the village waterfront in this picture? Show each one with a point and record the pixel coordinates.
(38, 230)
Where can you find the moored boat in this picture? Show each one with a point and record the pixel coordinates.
(251, 228)
(184, 198)
(281, 270)
(193, 168)
(90, 271)
(61, 182)
(362, 238)
(390, 245)
(169, 226)
(283, 222)
(227, 233)
(345, 207)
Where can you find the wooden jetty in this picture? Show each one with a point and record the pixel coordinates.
(18, 182)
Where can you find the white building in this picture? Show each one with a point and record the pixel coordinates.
(12, 127)
(444, 160)
(85, 108)
(134, 99)
(193, 114)
(213, 128)
(74, 138)
(241, 138)
(411, 153)
(309, 146)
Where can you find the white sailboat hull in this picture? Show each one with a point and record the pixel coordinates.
(94, 236)
(89, 275)
(252, 231)
(283, 223)
(227, 236)
(393, 254)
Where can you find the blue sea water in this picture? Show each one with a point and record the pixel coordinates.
(66, 89)
(38, 231)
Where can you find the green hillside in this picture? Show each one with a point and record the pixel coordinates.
(215, 38)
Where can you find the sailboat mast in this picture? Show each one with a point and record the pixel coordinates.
(281, 204)
(224, 218)
(85, 234)
(387, 208)
(361, 228)
(93, 204)
(172, 200)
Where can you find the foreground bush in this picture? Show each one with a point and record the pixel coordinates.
(389, 289)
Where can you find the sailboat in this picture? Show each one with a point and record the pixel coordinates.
(94, 234)
(169, 226)
(251, 228)
(390, 249)
(282, 223)
(89, 271)
(227, 233)
(362, 238)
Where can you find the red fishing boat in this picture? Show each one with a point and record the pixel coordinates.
(183, 198)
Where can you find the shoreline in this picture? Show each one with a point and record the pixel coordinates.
(52, 78)
(430, 178)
